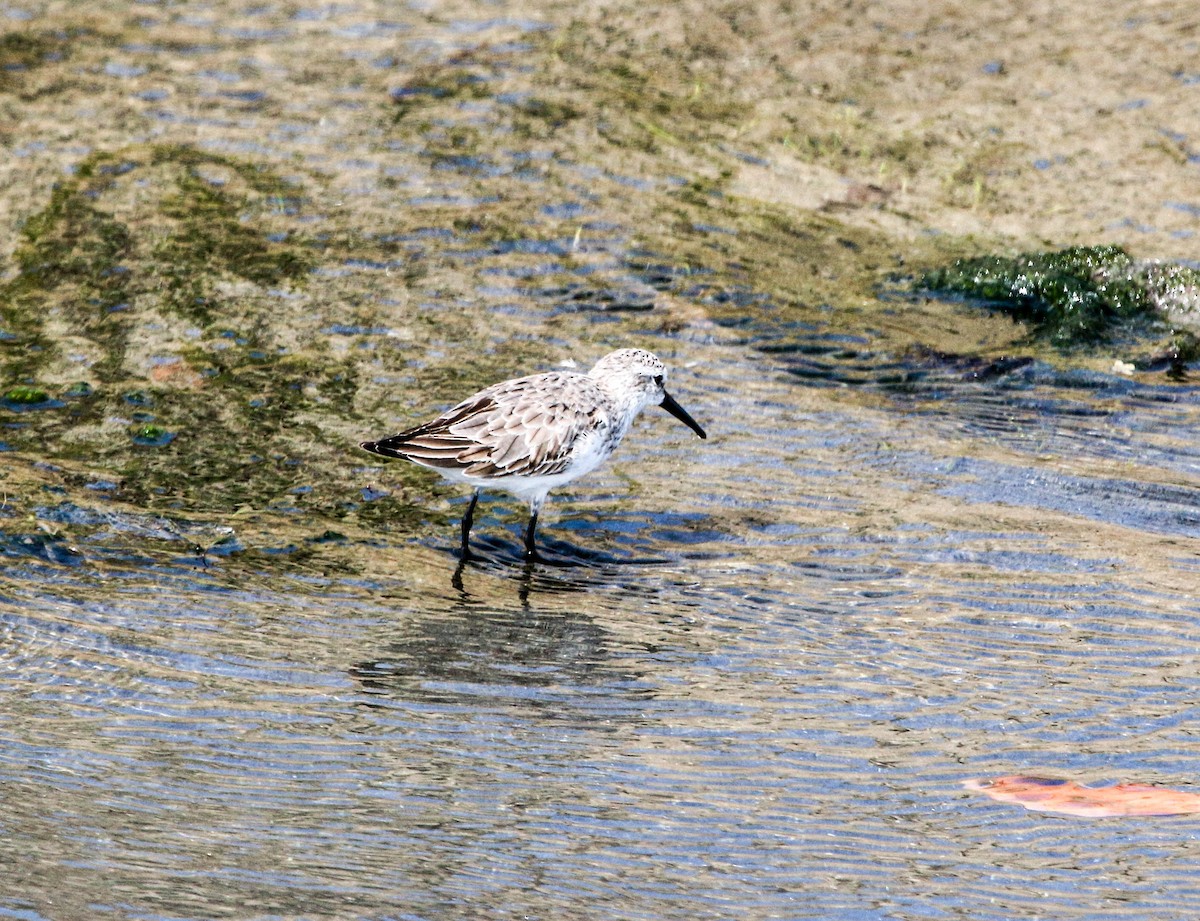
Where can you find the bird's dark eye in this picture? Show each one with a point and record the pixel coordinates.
(658, 379)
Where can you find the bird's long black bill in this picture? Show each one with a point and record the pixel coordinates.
(668, 403)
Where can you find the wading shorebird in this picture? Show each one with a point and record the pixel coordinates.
(532, 434)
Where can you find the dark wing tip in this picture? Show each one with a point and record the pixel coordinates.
(382, 448)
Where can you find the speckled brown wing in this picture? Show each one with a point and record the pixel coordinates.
(522, 427)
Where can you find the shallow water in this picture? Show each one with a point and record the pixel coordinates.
(753, 690)
(738, 702)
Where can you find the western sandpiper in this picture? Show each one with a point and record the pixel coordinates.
(527, 436)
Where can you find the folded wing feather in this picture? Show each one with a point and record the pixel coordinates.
(508, 429)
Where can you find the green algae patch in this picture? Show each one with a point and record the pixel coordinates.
(633, 94)
(150, 435)
(152, 268)
(656, 126)
(1074, 297)
(25, 395)
(211, 238)
(163, 224)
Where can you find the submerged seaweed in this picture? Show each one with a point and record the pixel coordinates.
(1073, 297)
(96, 260)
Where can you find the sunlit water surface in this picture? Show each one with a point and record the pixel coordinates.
(754, 691)
(756, 707)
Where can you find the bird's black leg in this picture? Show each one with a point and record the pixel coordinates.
(467, 521)
(530, 546)
(535, 506)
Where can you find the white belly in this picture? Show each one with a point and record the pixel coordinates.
(591, 451)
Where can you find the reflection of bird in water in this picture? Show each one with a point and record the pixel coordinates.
(467, 652)
(529, 435)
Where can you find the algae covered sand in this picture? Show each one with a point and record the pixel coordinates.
(242, 239)
(1080, 296)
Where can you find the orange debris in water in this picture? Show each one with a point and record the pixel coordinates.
(1048, 794)
(177, 374)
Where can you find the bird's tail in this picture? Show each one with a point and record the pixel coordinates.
(427, 450)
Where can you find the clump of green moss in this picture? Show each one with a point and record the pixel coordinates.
(1174, 288)
(150, 435)
(26, 395)
(1073, 297)
(80, 390)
